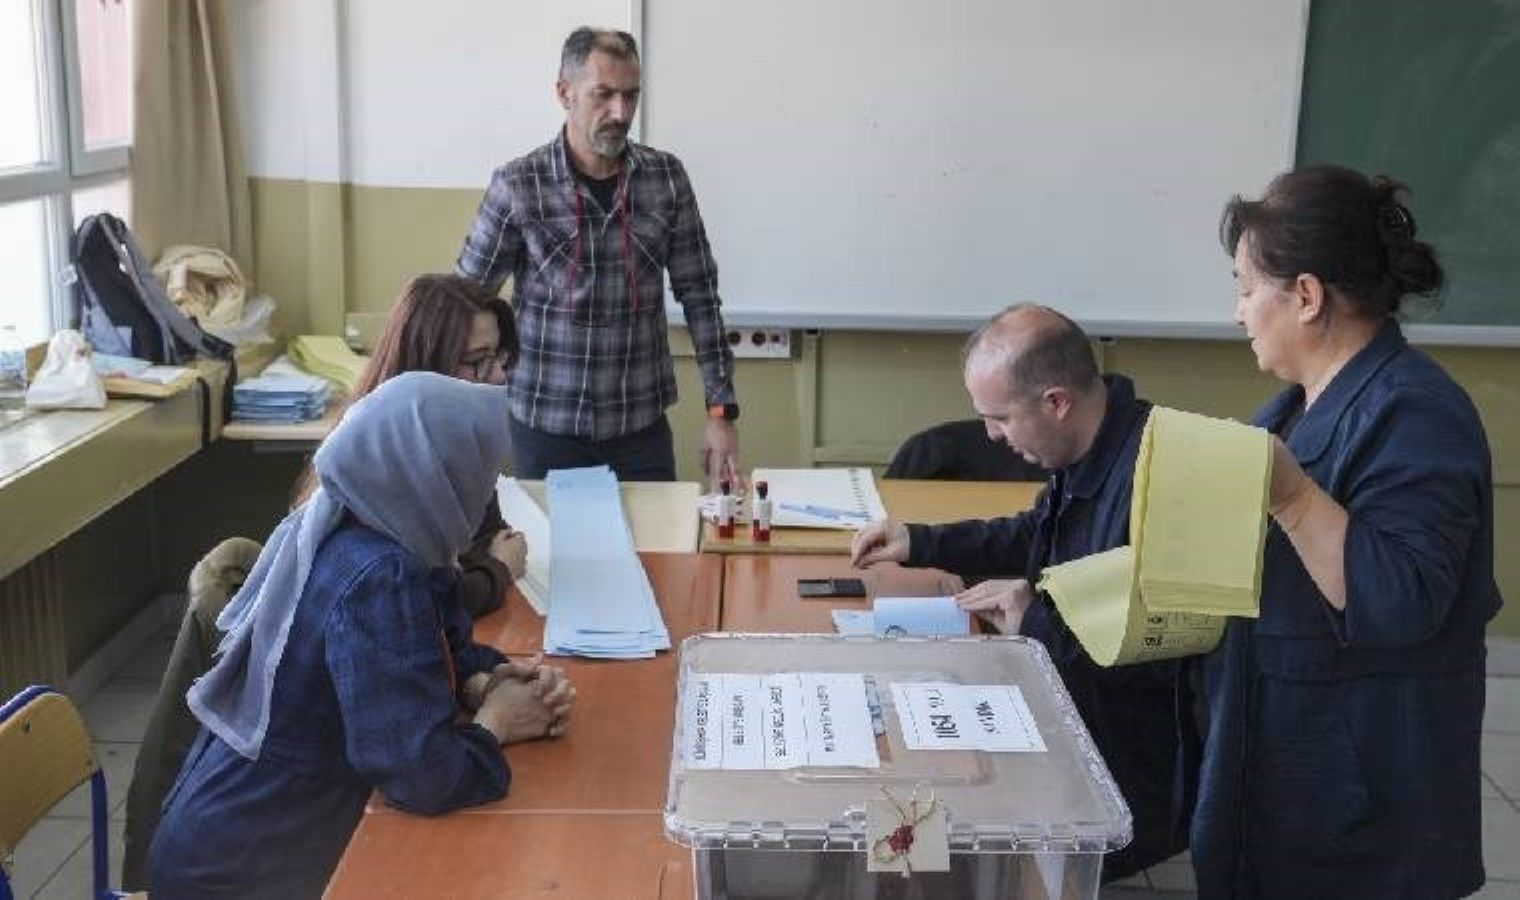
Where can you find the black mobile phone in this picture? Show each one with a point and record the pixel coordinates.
(820, 588)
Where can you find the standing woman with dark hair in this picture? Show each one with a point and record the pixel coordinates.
(1342, 746)
(453, 326)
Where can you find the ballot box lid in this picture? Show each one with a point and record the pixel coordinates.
(1058, 800)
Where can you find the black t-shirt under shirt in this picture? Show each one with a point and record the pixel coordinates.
(603, 189)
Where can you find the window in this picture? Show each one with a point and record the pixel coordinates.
(65, 136)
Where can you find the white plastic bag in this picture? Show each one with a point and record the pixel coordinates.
(66, 379)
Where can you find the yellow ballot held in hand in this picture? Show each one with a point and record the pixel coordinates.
(1197, 527)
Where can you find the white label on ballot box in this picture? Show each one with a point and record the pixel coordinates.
(778, 721)
(743, 723)
(701, 723)
(785, 732)
(838, 720)
(990, 717)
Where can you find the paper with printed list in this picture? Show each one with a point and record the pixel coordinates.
(782, 720)
(943, 716)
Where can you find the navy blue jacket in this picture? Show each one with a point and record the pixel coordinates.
(362, 700)
(1138, 715)
(1342, 750)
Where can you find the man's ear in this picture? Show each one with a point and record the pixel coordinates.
(1311, 298)
(562, 93)
(1057, 401)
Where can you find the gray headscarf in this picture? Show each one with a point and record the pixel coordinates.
(416, 460)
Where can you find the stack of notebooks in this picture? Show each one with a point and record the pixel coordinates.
(283, 398)
(600, 600)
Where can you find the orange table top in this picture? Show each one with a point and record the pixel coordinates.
(760, 592)
(512, 856)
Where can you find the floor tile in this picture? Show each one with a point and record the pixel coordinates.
(1498, 890)
(44, 850)
(1501, 713)
(1501, 762)
(1171, 876)
(1504, 656)
(118, 761)
(76, 878)
(119, 713)
(1501, 835)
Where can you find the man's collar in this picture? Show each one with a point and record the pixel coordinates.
(1085, 476)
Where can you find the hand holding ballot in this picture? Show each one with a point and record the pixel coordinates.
(999, 602)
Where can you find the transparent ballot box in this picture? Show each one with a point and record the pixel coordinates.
(1032, 821)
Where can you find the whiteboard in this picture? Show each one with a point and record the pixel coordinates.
(897, 164)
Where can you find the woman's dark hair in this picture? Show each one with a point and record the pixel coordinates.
(1349, 231)
(428, 330)
(429, 327)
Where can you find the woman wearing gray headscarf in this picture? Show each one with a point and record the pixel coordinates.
(347, 665)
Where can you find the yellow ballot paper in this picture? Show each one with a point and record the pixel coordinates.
(1199, 515)
(1197, 526)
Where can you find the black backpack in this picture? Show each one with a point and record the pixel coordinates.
(123, 309)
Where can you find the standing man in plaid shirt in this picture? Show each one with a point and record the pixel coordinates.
(587, 226)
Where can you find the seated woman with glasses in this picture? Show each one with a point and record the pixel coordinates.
(453, 326)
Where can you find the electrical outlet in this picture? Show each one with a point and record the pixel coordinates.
(760, 343)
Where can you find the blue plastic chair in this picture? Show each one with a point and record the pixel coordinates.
(45, 752)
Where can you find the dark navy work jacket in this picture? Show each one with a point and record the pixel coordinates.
(1131, 711)
(1342, 748)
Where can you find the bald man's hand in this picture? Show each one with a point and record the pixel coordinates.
(884, 541)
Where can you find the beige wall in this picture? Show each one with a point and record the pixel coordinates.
(846, 397)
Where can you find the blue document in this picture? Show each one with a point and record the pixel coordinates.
(922, 616)
(600, 600)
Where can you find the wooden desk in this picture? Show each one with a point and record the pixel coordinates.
(509, 856)
(308, 434)
(760, 592)
(616, 755)
(907, 500)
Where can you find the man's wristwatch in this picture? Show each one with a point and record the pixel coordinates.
(729, 411)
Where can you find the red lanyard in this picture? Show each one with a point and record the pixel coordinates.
(625, 215)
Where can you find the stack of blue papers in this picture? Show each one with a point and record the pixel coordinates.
(283, 399)
(600, 601)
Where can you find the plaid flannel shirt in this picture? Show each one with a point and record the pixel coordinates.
(595, 357)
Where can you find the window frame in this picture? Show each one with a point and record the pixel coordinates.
(67, 166)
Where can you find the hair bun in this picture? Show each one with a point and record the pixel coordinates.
(1395, 219)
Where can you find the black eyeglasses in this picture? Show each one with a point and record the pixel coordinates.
(482, 364)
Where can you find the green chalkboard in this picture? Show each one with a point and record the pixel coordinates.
(1428, 91)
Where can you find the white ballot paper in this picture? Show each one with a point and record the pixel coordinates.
(777, 721)
(903, 616)
(990, 717)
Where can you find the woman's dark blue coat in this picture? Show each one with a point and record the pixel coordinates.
(1342, 748)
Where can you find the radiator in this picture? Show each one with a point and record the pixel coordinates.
(32, 649)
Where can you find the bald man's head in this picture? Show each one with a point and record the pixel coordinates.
(1035, 348)
(1034, 384)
